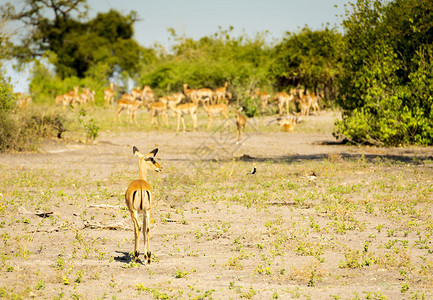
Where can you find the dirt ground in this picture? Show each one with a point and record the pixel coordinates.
(298, 228)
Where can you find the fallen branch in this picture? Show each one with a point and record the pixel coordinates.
(105, 206)
(54, 229)
(39, 213)
(116, 226)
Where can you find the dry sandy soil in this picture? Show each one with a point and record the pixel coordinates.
(318, 220)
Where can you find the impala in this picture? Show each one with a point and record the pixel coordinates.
(23, 101)
(158, 108)
(136, 93)
(126, 102)
(70, 98)
(180, 110)
(87, 95)
(139, 198)
(59, 99)
(109, 95)
(314, 102)
(240, 125)
(283, 100)
(216, 109)
(264, 99)
(204, 95)
(147, 94)
(190, 93)
(220, 93)
(288, 124)
(304, 105)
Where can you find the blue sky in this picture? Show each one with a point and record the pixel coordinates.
(198, 18)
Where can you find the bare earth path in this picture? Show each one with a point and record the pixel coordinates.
(318, 220)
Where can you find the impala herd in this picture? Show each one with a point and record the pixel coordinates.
(139, 196)
(213, 102)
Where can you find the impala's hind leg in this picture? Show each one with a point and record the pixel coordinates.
(146, 235)
(137, 230)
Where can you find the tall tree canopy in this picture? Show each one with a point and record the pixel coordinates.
(104, 44)
(309, 59)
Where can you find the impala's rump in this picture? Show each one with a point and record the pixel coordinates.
(141, 196)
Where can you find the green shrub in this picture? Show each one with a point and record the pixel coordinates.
(387, 83)
(250, 106)
(92, 130)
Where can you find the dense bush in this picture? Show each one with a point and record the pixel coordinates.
(23, 130)
(386, 90)
(8, 124)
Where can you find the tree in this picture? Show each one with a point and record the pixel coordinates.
(386, 87)
(309, 58)
(78, 48)
(210, 61)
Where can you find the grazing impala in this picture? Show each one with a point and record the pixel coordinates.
(158, 108)
(182, 109)
(109, 95)
(240, 124)
(139, 198)
(216, 109)
(220, 93)
(70, 98)
(130, 105)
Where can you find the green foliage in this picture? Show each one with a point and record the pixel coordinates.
(209, 62)
(45, 85)
(102, 46)
(92, 130)
(7, 98)
(309, 59)
(386, 90)
(250, 107)
(8, 124)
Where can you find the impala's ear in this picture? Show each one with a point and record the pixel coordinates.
(136, 152)
(151, 154)
(154, 151)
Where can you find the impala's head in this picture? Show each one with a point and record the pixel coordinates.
(147, 161)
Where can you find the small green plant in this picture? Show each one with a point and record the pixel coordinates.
(40, 285)
(180, 274)
(92, 130)
(404, 288)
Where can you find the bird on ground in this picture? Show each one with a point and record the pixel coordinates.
(253, 171)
